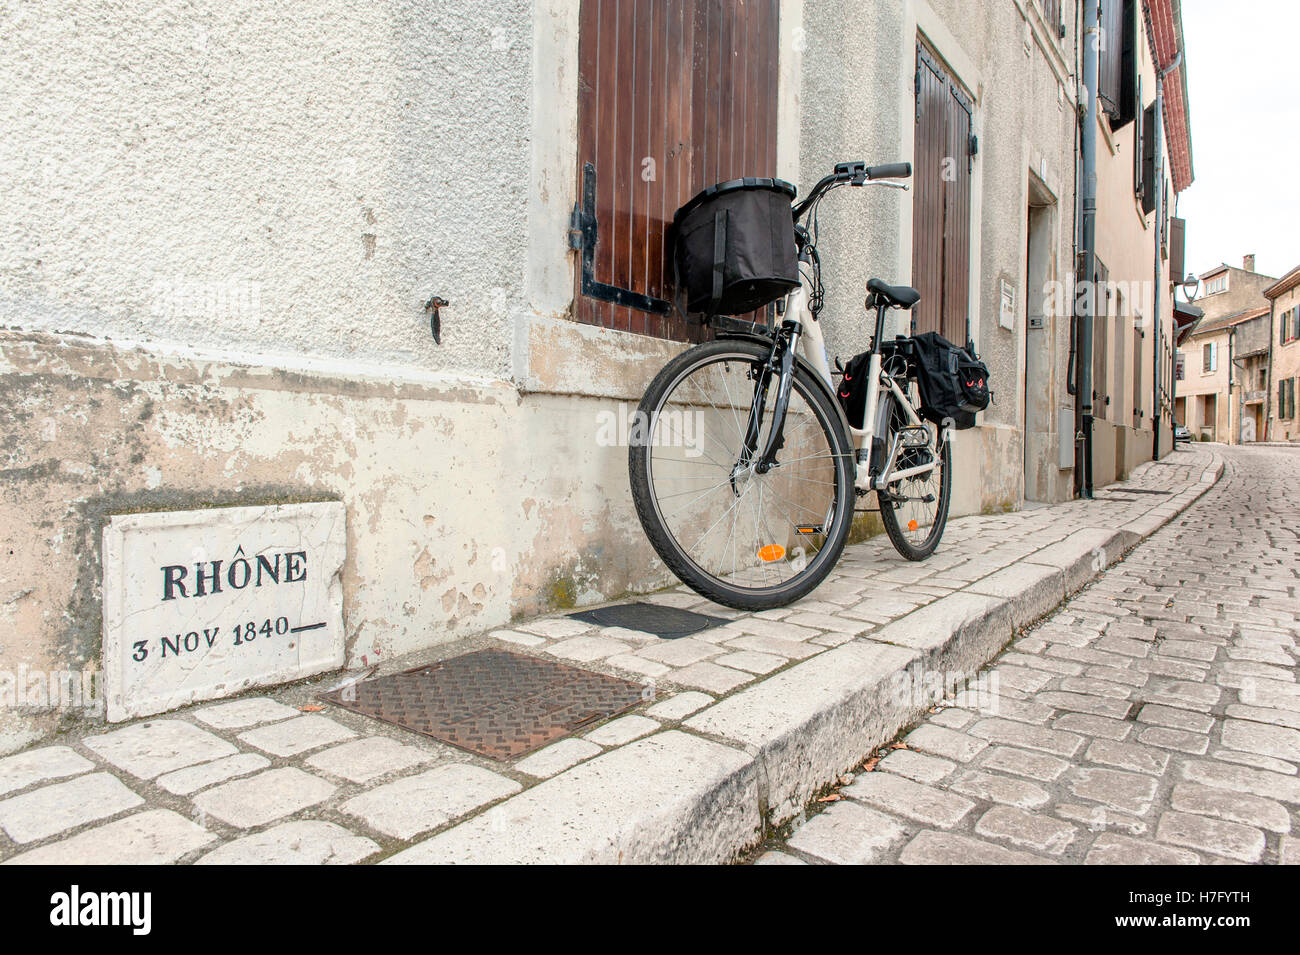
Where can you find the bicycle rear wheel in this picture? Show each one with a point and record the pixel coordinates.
(914, 510)
(743, 539)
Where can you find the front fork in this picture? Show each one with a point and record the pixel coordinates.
(780, 364)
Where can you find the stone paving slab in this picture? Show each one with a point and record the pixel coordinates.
(295, 843)
(40, 765)
(744, 724)
(55, 809)
(147, 750)
(416, 804)
(153, 837)
(263, 798)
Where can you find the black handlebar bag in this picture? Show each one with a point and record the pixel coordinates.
(733, 247)
(954, 384)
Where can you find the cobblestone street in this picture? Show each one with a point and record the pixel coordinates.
(1154, 718)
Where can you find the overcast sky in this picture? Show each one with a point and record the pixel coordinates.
(1243, 66)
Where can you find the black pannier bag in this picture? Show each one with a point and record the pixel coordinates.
(852, 390)
(954, 384)
(733, 247)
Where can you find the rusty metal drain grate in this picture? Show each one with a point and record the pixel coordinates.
(491, 702)
(667, 622)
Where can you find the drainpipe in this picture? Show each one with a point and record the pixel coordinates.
(1232, 367)
(1268, 375)
(1157, 169)
(1087, 253)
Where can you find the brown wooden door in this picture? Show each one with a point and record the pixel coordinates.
(673, 96)
(941, 200)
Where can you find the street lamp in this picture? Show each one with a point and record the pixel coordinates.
(1190, 286)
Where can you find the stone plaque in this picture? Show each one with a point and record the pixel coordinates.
(205, 604)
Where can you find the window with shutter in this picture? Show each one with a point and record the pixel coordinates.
(1117, 65)
(672, 97)
(941, 181)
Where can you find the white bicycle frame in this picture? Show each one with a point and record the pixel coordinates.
(814, 352)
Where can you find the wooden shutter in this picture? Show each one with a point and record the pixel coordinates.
(941, 216)
(1139, 147)
(1149, 158)
(1100, 333)
(1117, 64)
(1177, 245)
(1117, 342)
(672, 97)
(1137, 374)
(1052, 14)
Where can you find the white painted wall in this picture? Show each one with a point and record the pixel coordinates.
(337, 163)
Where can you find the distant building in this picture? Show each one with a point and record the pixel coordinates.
(1284, 312)
(1222, 371)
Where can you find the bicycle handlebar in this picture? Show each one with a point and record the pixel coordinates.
(852, 173)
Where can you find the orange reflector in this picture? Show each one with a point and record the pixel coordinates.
(912, 525)
(771, 552)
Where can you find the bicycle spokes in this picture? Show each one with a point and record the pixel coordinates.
(735, 521)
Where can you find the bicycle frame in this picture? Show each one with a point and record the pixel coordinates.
(800, 327)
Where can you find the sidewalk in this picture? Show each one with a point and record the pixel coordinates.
(749, 721)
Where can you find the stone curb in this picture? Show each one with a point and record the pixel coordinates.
(702, 791)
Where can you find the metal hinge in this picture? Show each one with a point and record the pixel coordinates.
(576, 223)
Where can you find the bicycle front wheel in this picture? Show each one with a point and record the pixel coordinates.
(743, 539)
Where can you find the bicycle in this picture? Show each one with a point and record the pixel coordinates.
(745, 439)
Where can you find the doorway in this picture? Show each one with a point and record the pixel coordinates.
(1040, 461)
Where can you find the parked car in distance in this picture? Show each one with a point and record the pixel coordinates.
(1181, 434)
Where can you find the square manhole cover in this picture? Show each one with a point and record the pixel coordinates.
(492, 702)
(666, 622)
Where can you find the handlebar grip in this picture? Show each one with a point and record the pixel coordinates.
(893, 170)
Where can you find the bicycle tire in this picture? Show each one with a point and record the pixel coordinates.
(889, 513)
(665, 544)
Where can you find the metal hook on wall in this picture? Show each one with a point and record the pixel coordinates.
(431, 308)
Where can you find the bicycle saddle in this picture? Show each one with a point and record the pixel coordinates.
(902, 296)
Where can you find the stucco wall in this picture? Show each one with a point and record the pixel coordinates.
(325, 166)
(859, 104)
